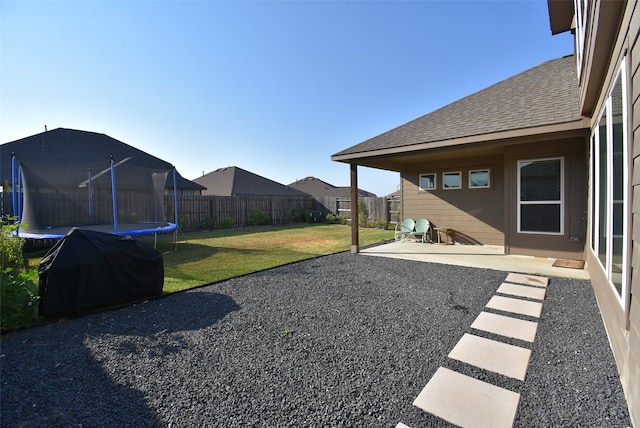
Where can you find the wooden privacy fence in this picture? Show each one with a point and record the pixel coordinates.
(384, 209)
(197, 212)
(212, 212)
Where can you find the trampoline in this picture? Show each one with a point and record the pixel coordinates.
(123, 197)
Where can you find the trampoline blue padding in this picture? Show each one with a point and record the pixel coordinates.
(129, 229)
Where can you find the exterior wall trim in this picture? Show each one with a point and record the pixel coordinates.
(537, 133)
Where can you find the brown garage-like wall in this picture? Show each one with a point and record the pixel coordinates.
(623, 323)
(488, 216)
(570, 244)
(476, 215)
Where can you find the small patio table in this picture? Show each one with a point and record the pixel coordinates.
(448, 232)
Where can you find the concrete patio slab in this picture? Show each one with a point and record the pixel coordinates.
(537, 281)
(467, 402)
(498, 357)
(517, 306)
(536, 293)
(478, 256)
(506, 326)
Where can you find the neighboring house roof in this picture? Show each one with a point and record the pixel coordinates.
(318, 188)
(61, 146)
(232, 180)
(543, 99)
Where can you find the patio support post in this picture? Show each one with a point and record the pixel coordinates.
(355, 243)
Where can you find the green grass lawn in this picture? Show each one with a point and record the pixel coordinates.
(202, 258)
(206, 257)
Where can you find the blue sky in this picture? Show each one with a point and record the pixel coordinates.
(273, 87)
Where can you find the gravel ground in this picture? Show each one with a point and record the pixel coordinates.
(343, 340)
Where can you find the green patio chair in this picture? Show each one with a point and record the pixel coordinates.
(422, 228)
(404, 229)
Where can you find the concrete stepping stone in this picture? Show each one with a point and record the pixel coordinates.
(519, 278)
(516, 306)
(498, 357)
(467, 402)
(506, 326)
(522, 291)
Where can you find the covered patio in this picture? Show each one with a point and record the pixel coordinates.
(478, 256)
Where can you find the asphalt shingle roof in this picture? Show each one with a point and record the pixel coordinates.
(62, 150)
(541, 96)
(318, 188)
(232, 180)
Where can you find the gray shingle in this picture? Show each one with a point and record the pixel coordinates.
(543, 95)
(318, 188)
(232, 180)
(65, 149)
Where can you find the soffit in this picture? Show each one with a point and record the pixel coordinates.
(466, 148)
(561, 14)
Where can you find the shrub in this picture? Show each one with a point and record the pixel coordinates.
(259, 218)
(363, 213)
(18, 287)
(296, 216)
(183, 222)
(225, 223)
(19, 295)
(10, 245)
(207, 224)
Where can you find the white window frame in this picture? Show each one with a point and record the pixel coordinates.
(435, 181)
(594, 185)
(488, 185)
(444, 181)
(560, 202)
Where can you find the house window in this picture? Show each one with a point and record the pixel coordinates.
(428, 181)
(610, 188)
(452, 180)
(540, 196)
(479, 179)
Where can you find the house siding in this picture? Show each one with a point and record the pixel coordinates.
(574, 153)
(489, 216)
(476, 215)
(623, 324)
(630, 373)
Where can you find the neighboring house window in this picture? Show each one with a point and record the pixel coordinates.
(540, 196)
(452, 180)
(610, 188)
(479, 179)
(428, 181)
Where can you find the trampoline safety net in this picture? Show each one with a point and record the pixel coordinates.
(114, 195)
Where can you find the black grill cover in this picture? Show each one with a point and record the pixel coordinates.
(88, 268)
